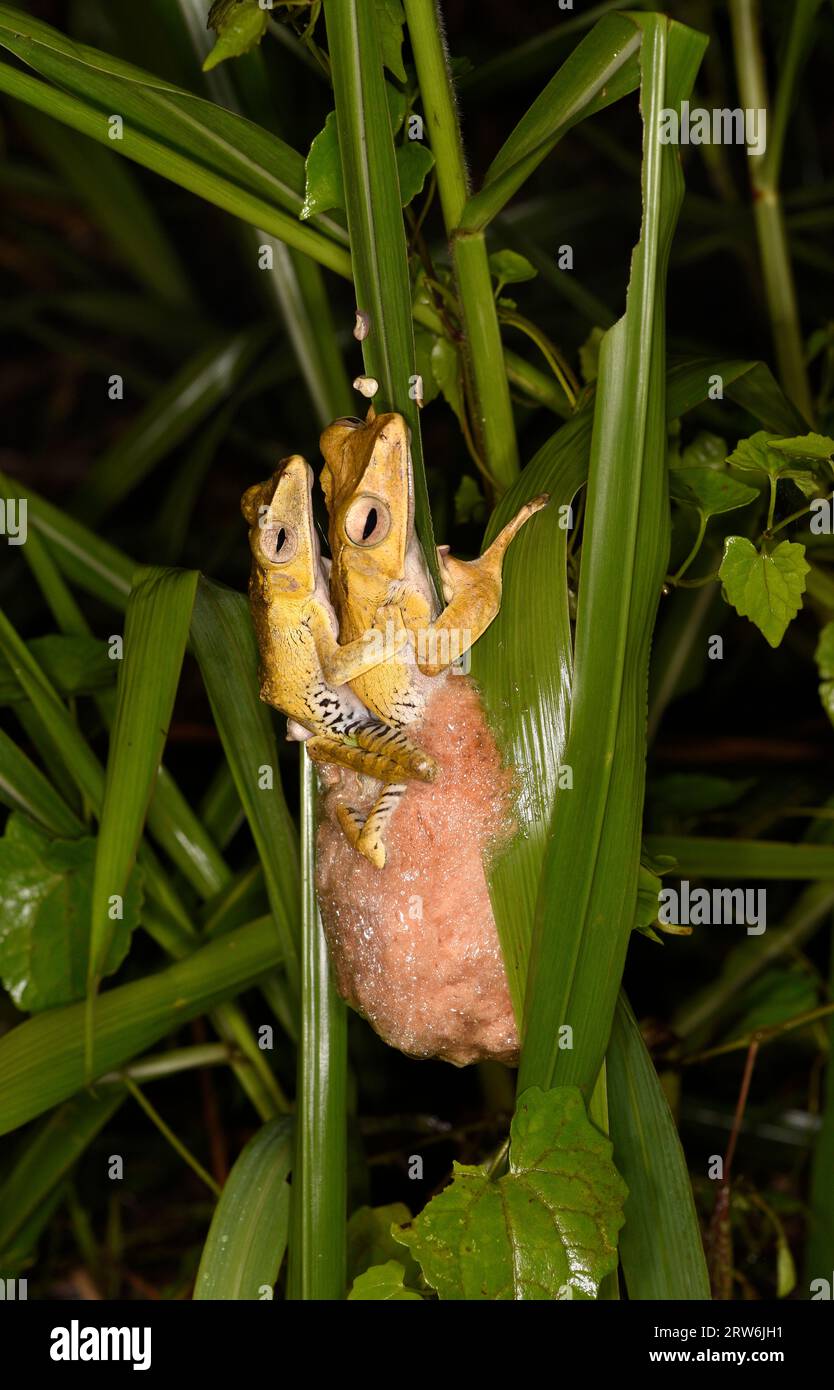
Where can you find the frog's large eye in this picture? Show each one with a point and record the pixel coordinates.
(278, 542)
(368, 521)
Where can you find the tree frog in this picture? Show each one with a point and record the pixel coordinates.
(378, 566)
(304, 670)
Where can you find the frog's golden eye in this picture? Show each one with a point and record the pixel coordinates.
(278, 542)
(368, 521)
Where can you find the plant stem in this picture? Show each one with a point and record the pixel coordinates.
(482, 338)
(673, 579)
(167, 1133)
(767, 210)
(319, 1192)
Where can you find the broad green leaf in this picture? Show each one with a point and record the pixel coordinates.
(239, 25)
(509, 268)
(390, 20)
(245, 1245)
(45, 901)
(586, 899)
(370, 1241)
(805, 446)
(711, 491)
(383, 1284)
(156, 629)
(764, 586)
(757, 456)
(660, 1244)
(42, 1060)
(546, 1230)
(225, 647)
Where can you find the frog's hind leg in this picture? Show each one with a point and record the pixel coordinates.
(391, 743)
(323, 748)
(366, 836)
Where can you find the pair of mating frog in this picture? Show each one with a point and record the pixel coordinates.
(349, 648)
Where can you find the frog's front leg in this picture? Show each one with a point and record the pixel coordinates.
(342, 664)
(472, 589)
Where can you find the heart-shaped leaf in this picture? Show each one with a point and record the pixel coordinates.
(546, 1230)
(709, 490)
(758, 454)
(383, 1284)
(766, 587)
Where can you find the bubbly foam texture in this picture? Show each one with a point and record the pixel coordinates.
(414, 946)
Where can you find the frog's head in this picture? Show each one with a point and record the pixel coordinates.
(282, 533)
(369, 490)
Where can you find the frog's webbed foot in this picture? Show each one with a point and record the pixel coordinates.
(366, 836)
(391, 743)
(472, 589)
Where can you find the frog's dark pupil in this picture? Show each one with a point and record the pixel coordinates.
(279, 542)
(370, 524)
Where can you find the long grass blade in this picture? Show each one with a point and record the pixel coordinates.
(587, 895)
(248, 1235)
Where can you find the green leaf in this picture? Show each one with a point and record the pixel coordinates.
(414, 160)
(589, 355)
(45, 902)
(42, 1060)
(706, 450)
(708, 856)
(546, 1230)
(156, 628)
(447, 371)
(587, 891)
(370, 1240)
(777, 995)
(693, 793)
(600, 70)
(383, 1284)
(806, 446)
(239, 25)
(74, 665)
(470, 503)
(247, 1238)
(199, 144)
(23, 787)
(766, 587)
(423, 345)
(225, 647)
(323, 188)
(377, 232)
(509, 268)
(390, 19)
(660, 1244)
(757, 455)
(711, 491)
